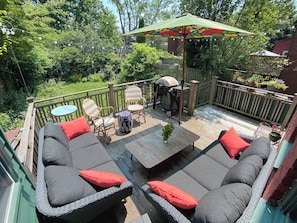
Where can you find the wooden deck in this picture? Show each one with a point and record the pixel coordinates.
(207, 122)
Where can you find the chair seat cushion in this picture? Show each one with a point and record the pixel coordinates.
(135, 108)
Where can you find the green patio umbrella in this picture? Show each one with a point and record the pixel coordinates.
(185, 27)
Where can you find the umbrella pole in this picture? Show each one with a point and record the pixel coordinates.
(182, 82)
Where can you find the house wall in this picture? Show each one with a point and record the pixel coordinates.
(282, 47)
(22, 207)
(289, 74)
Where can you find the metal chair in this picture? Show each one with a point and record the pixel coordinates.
(135, 101)
(101, 124)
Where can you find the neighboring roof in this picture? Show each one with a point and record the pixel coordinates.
(265, 53)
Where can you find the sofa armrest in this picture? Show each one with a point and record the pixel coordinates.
(259, 186)
(171, 213)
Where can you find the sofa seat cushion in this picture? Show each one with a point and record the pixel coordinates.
(219, 154)
(75, 127)
(260, 146)
(182, 180)
(233, 143)
(52, 130)
(55, 153)
(245, 171)
(89, 157)
(102, 179)
(173, 194)
(224, 204)
(83, 141)
(206, 172)
(64, 185)
(109, 166)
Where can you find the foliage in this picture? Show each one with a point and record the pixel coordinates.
(5, 121)
(140, 39)
(140, 64)
(276, 83)
(263, 18)
(167, 131)
(95, 77)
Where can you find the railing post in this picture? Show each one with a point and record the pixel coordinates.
(290, 112)
(193, 96)
(111, 96)
(213, 89)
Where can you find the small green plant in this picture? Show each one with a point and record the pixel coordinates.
(276, 83)
(167, 131)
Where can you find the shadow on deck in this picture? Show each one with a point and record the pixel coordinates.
(207, 122)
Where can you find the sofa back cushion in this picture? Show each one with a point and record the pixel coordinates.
(224, 204)
(55, 153)
(52, 130)
(260, 146)
(64, 185)
(245, 171)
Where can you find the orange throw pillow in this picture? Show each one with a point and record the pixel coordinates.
(233, 143)
(174, 195)
(102, 179)
(75, 127)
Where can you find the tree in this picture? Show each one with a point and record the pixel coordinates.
(263, 18)
(140, 64)
(140, 39)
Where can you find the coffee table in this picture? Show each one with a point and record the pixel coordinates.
(150, 150)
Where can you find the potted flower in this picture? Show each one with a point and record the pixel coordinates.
(275, 84)
(275, 133)
(167, 131)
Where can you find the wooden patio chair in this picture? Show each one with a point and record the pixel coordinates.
(101, 124)
(135, 101)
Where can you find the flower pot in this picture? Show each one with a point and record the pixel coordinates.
(274, 136)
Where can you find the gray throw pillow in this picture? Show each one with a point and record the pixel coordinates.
(55, 153)
(245, 171)
(224, 204)
(64, 185)
(260, 146)
(54, 131)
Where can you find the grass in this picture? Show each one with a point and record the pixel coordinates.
(53, 89)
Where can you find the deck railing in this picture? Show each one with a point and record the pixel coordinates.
(257, 103)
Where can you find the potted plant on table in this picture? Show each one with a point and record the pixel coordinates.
(167, 131)
(275, 133)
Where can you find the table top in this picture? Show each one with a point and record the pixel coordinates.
(64, 110)
(150, 150)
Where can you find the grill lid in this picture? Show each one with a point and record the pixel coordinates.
(168, 81)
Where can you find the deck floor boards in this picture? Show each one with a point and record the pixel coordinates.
(207, 122)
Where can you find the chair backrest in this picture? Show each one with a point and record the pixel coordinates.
(90, 108)
(133, 94)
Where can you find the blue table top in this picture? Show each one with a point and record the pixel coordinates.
(64, 110)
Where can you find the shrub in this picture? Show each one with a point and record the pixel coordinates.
(95, 77)
(140, 64)
(5, 122)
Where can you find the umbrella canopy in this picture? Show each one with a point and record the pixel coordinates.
(188, 26)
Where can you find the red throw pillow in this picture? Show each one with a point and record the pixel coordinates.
(75, 127)
(102, 179)
(174, 195)
(233, 143)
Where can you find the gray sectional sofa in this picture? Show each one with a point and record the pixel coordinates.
(61, 193)
(227, 190)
